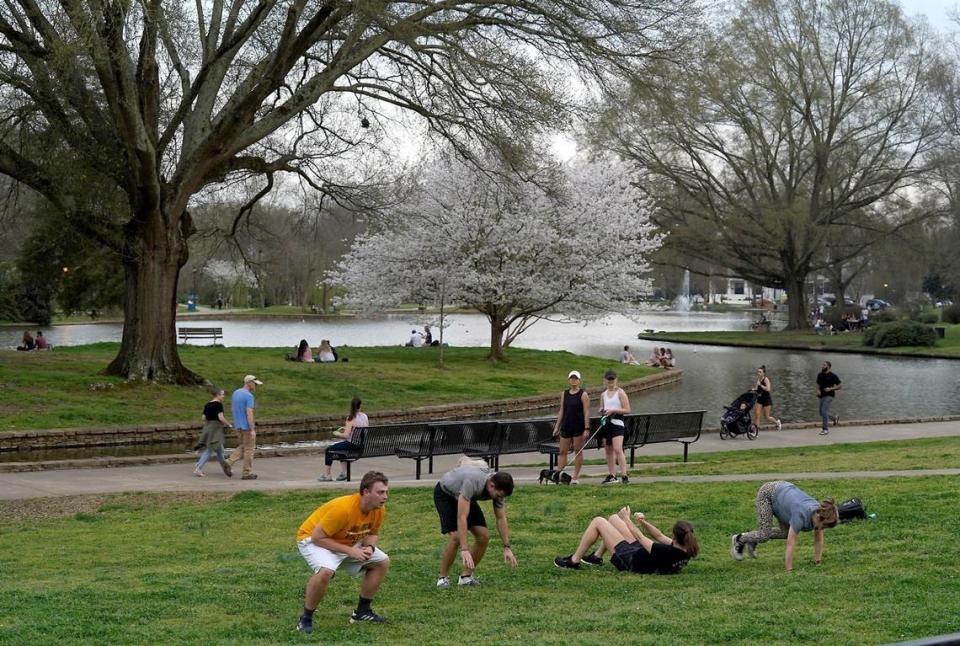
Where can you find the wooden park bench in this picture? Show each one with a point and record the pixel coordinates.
(214, 333)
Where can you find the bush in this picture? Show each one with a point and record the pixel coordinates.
(901, 333)
(928, 318)
(951, 314)
(884, 316)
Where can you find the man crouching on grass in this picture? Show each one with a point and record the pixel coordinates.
(345, 531)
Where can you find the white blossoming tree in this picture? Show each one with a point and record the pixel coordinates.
(573, 244)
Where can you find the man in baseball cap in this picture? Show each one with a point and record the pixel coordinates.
(243, 403)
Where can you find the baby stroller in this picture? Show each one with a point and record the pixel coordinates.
(736, 420)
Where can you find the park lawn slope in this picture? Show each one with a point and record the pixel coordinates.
(139, 570)
(894, 455)
(63, 389)
(948, 347)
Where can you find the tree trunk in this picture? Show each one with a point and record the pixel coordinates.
(496, 338)
(153, 256)
(797, 303)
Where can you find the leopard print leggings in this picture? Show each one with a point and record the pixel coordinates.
(765, 518)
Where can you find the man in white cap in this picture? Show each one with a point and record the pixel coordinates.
(243, 404)
(573, 424)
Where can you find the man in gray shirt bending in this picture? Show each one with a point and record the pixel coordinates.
(455, 498)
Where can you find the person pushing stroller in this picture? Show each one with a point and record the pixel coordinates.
(736, 420)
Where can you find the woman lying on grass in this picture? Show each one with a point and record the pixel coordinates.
(632, 550)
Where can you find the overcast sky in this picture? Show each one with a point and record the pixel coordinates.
(935, 10)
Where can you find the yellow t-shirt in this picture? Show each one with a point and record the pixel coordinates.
(342, 520)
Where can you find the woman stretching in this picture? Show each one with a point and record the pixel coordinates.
(632, 550)
(357, 419)
(764, 400)
(794, 512)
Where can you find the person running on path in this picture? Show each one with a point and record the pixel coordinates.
(764, 399)
(827, 386)
(211, 437)
(345, 532)
(632, 550)
(793, 511)
(573, 424)
(614, 405)
(242, 403)
(455, 498)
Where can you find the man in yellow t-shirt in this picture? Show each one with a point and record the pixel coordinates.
(345, 531)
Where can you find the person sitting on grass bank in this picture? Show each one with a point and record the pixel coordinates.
(626, 357)
(345, 532)
(303, 352)
(27, 342)
(211, 438)
(455, 498)
(41, 341)
(326, 353)
(795, 512)
(355, 420)
(631, 549)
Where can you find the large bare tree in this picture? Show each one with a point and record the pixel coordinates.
(159, 99)
(802, 121)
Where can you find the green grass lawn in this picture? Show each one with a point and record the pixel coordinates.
(898, 455)
(143, 569)
(53, 389)
(808, 340)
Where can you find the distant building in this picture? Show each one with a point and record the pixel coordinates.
(738, 291)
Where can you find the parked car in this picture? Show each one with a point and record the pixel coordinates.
(876, 304)
(829, 300)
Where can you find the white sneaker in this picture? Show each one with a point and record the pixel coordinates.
(467, 580)
(573, 482)
(779, 426)
(443, 582)
(736, 548)
(198, 473)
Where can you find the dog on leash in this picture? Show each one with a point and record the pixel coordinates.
(548, 476)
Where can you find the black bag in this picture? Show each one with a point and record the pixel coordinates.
(852, 509)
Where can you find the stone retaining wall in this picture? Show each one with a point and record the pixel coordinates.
(276, 429)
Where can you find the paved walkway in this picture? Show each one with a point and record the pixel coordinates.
(301, 472)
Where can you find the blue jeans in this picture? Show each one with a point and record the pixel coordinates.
(327, 458)
(825, 411)
(205, 456)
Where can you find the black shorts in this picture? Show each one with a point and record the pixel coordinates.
(571, 434)
(447, 510)
(623, 555)
(764, 399)
(610, 430)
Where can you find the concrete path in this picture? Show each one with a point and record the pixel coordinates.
(301, 472)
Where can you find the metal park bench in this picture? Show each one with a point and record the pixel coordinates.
(402, 440)
(214, 333)
(654, 428)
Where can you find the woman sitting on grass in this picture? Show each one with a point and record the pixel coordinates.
(632, 550)
(303, 351)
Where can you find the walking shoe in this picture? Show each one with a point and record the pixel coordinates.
(779, 425)
(305, 625)
(198, 473)
(625, 480)
(324, 478)
(751, 549)
(249, 476)
(836, 419)
(736, 548)
(227, 470)
(566, 562)
(468, 580)
(824, 432)
(443, 582)
(609, 480)
(592, 559)
(574, 482)
(341, 477)
(366, 615)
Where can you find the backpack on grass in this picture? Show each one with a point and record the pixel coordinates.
(852, 509)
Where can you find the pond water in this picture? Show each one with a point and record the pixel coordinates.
(873, 387)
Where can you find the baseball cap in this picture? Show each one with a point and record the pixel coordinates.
(611, 374)
(250, 378)
(574, 373)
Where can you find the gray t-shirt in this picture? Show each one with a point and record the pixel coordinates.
(469, 482)
(792, 506)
